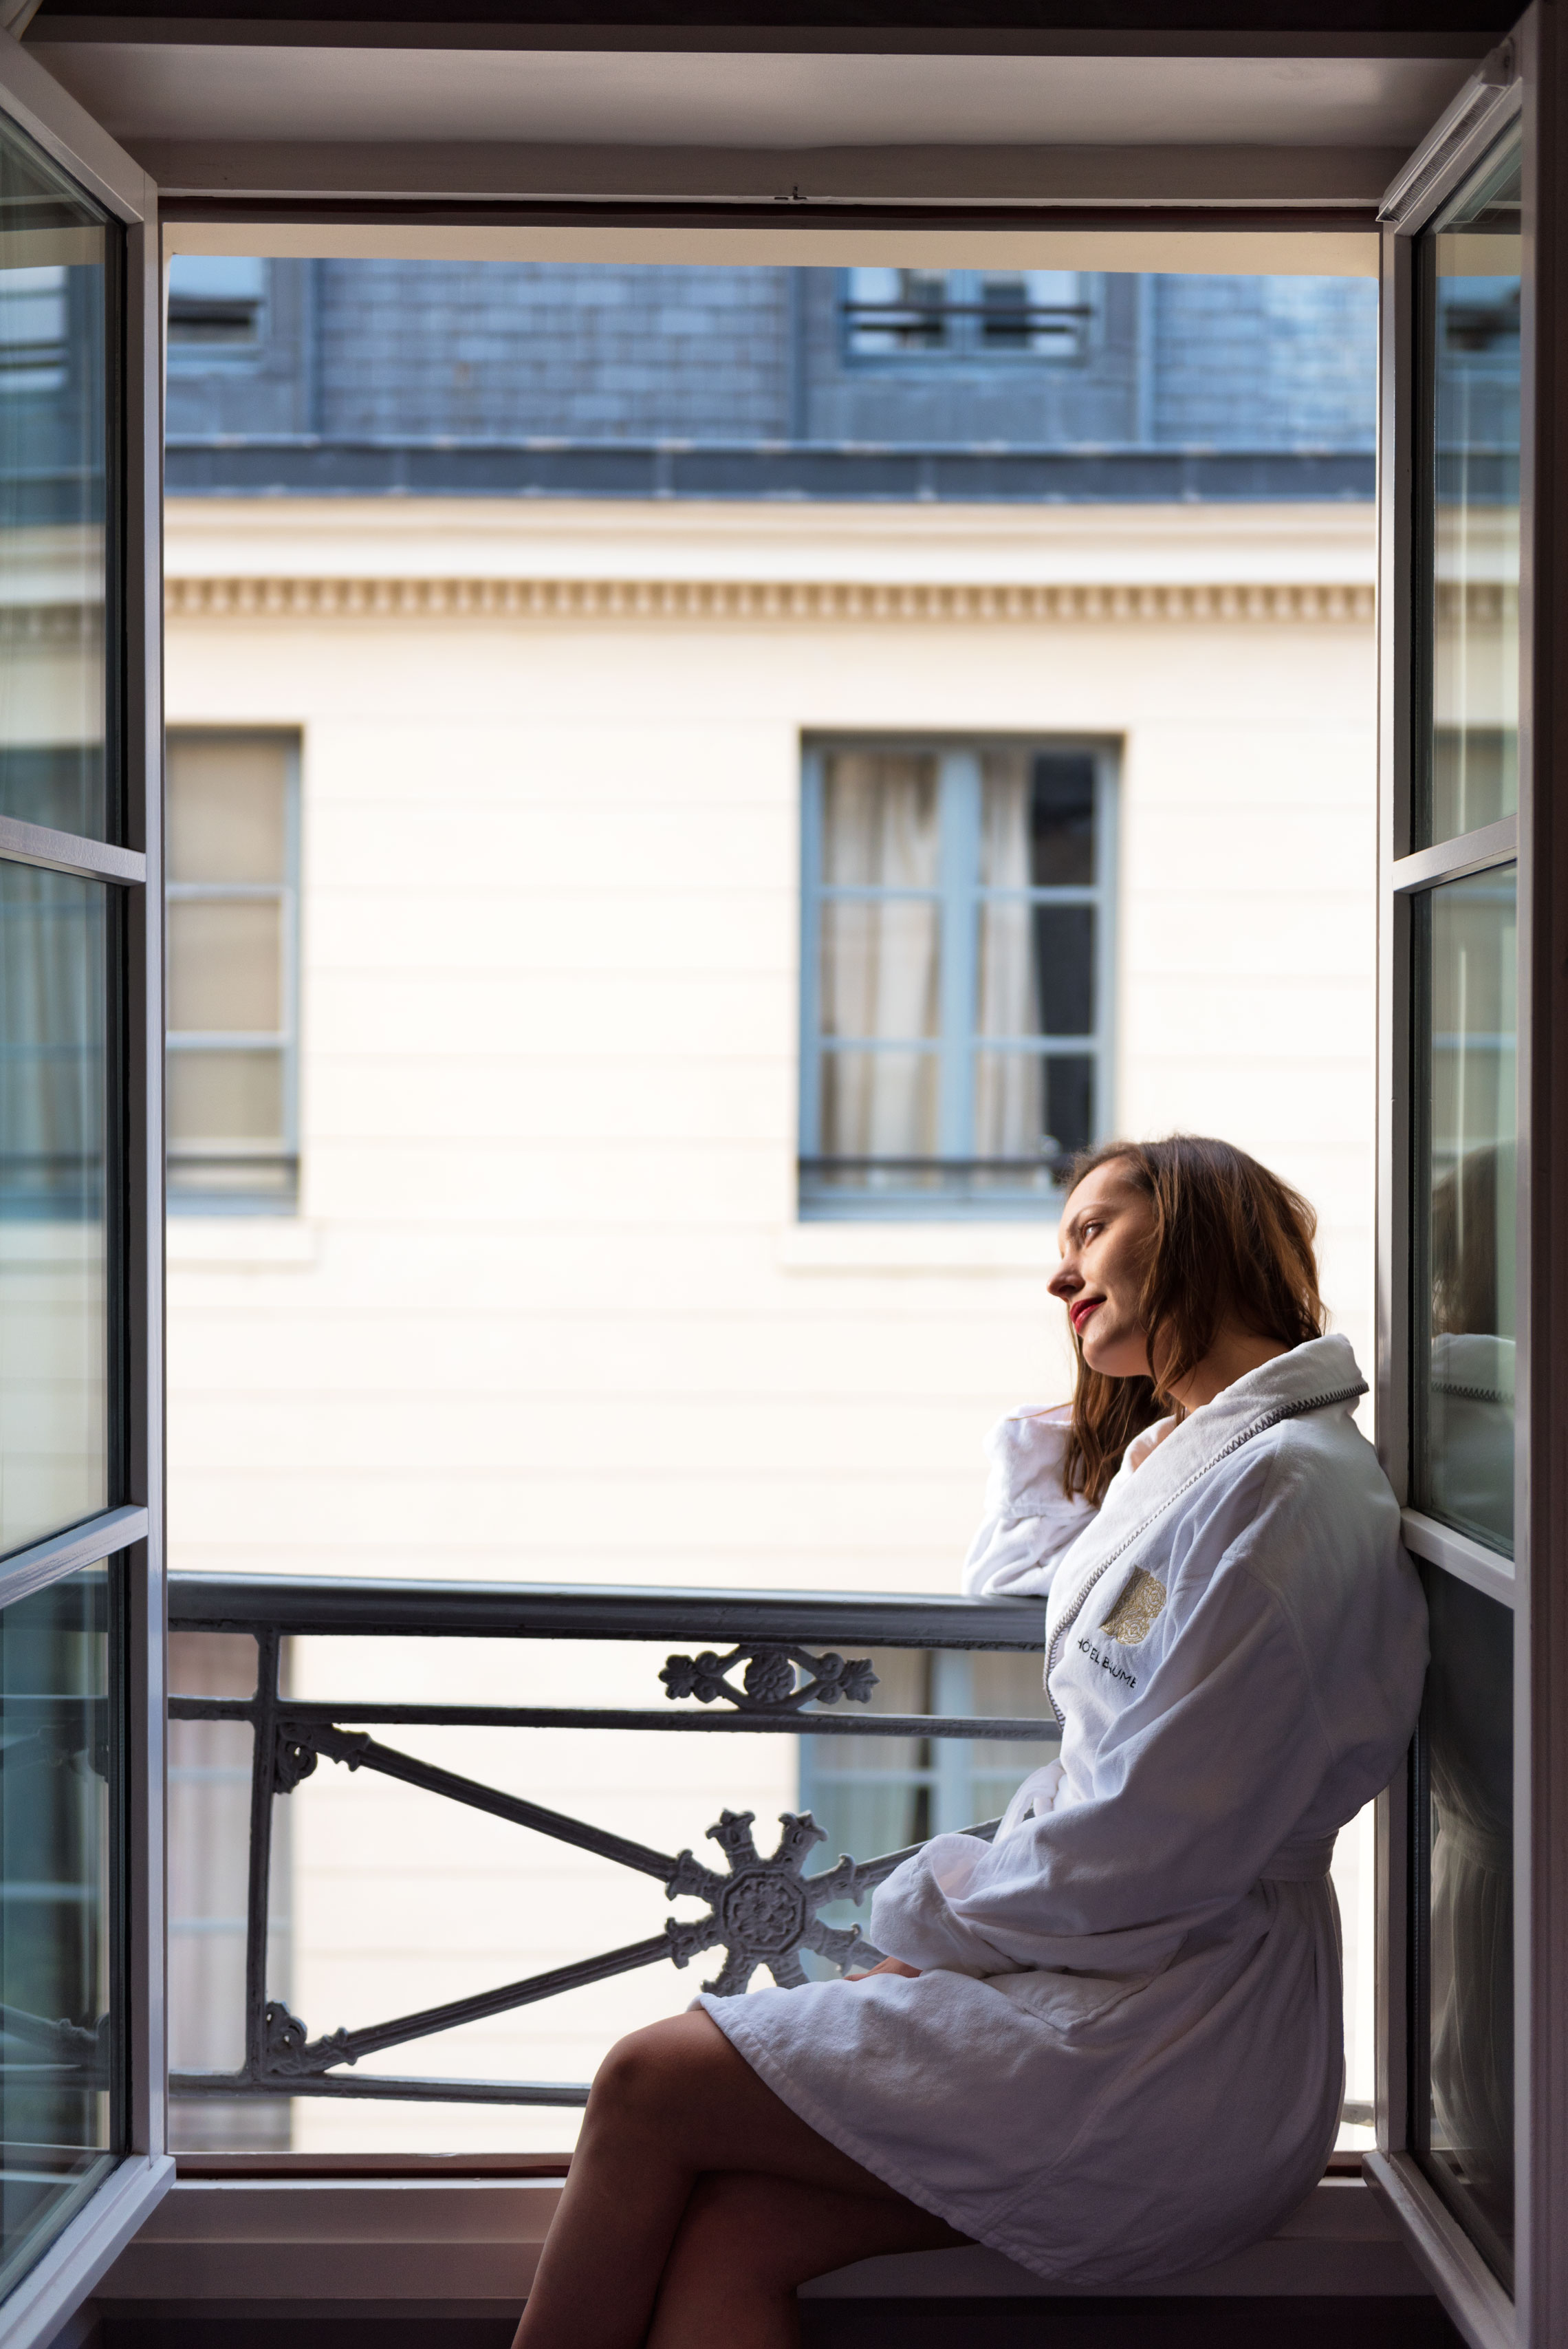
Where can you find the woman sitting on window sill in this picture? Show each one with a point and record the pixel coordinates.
(1109, 2042)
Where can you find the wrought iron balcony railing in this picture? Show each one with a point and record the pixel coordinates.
(772, 1663)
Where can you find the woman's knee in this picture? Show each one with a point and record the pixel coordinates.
(646, 2073)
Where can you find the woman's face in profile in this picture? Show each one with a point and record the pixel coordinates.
(1106, 1230)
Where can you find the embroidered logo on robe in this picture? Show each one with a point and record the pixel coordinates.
(1135, 1613)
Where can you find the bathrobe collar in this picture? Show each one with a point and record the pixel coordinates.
(1312, 1377)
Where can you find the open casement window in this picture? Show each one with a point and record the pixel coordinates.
(81, 1695)
(1474, 1960)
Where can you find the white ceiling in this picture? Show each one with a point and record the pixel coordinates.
(174, 90)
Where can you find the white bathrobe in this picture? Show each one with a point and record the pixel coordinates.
(1124, 2056)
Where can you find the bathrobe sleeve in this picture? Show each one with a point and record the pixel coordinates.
(1209, 1769)
(1029, 1522)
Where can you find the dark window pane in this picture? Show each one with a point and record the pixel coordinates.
(53, 1412)
(1036, 970)
(1464, 2026)
(1469, 279)
(1037, 820)
(1463, 1384)
(60, 2125)
(52, 403)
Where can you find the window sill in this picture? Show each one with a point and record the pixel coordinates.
(1000, 1249)
(240, 1243)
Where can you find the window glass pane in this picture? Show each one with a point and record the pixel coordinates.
(233, 846)
(53, 1274)
(225, 965)
(228, 808)
(53, 400)
(878, 820)
(878, 966)
(1037, 820)
(1464, 2120)
(1465, 1123)
(879, 1105)
(59, 1769)
(1471, 284)
(1036, 970)
(221, 1098)
(1030, 1108)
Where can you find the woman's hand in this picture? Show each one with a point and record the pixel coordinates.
(888, 1966)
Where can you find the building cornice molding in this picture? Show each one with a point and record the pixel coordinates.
(1343, 603)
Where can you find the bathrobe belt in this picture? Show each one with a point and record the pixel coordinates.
(1300, 1861)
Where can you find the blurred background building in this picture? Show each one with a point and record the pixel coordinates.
(692, 792)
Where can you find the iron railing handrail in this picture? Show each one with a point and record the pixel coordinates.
(314, 1606)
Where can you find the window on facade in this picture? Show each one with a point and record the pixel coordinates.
(956, 975)
(967, 313)
(232, 921)
(217, 303)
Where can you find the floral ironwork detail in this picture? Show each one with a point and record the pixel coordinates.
(287, 2048)
(765, 1911)
(292, 1761)
(769, 1683)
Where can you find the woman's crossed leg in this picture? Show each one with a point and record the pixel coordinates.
(697, 2201)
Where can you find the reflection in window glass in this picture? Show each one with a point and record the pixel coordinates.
(53, 1227)
(1470, 290)
(1464, 1355)
(60, 2125)
(1464, 2122)
(53, 554)
(232, 843)
(955, 1013)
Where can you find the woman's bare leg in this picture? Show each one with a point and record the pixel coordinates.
(747, 2241)
(670, 2105)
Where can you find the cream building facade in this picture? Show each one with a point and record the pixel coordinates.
(546, 1310)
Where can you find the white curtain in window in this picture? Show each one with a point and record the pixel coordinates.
(1008, 1108)
(879, 956)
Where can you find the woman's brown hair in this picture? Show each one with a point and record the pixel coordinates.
(1231, 1243)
